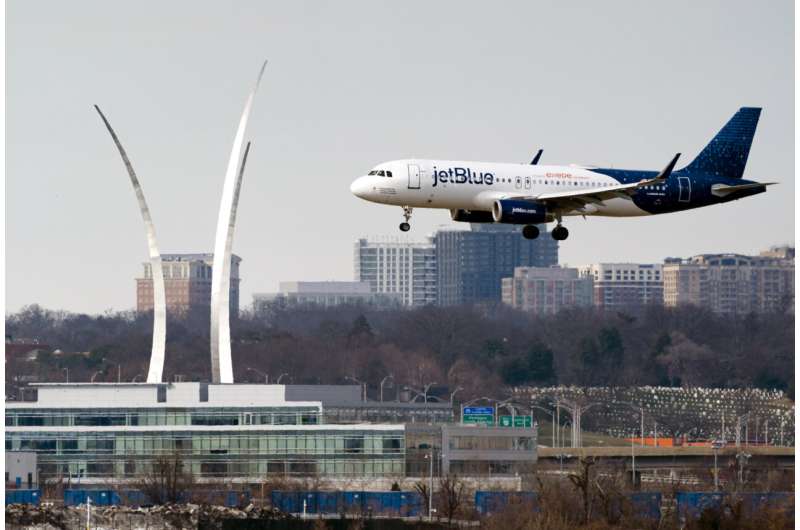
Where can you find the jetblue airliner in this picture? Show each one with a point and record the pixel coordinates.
(531, 194)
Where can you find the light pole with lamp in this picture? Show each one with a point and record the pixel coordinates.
(95, 375)
(390, 376)
(266, 376)
(67, 370)
(428, 387)
(454, 393)
(281, 377)
(553, 424)
(135, 377)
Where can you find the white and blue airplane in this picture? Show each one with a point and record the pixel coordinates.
(531, 194)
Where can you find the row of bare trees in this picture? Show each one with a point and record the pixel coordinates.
(478, 348)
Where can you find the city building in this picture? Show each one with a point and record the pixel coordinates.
(187, 283)
(471, 264)
(399, 267)
(111, 432)
(322, 294)
(626, 285)
(546, 290)
(732, 284)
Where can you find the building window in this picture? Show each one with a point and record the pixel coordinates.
(161, 393)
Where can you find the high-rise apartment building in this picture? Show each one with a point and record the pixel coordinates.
(472, 264)
(398, 266)
(731, 283)
(187, 283)
(547, 290)
(626, 285)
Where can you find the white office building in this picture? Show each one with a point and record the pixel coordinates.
(398, 266)
(322, 294)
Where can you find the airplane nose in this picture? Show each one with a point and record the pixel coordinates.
(360, 187)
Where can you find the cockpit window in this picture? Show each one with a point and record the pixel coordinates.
(380, 173)
(373, 172)
(389, 174)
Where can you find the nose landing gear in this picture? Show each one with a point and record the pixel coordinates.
(404, 226)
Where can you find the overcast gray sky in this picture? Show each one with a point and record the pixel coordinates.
(351, 84)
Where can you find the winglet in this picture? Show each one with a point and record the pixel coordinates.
(536, 158)
(665, 173)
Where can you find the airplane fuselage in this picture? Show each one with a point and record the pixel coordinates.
(532, 194)
(475, 186)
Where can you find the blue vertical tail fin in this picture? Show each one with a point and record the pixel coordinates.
(726, 154)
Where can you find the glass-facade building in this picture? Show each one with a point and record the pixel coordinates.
(471, 264)
(118, 431)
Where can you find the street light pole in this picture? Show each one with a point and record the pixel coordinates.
(453, 394)
(67, 369)
(266, 376)
(390, 376)
(280, 377)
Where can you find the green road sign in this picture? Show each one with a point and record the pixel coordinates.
(516, 421)
(486, 419)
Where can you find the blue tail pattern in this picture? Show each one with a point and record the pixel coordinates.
(726, 155)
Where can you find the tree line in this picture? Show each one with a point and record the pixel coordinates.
(482, 349)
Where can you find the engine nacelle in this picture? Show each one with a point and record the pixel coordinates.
(471, 216)
(519, 212)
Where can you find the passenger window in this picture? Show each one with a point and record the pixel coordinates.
(518, 182)
(527, 183)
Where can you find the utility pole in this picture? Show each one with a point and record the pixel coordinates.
(633, 465)
(641, 442)
(430, 490)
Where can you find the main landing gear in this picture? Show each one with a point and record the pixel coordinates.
(560, 233)
(404, 226)
(530, 231)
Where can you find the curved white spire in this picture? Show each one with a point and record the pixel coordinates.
(221, 363)
(156, 370)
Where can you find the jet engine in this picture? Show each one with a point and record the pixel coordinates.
(518, 212)
(471, 216)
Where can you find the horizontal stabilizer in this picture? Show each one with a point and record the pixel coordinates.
(721, 190)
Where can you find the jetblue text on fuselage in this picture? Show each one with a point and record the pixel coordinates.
(460, 175)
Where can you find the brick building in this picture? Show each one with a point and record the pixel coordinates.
(187, 283)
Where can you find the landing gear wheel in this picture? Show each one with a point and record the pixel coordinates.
(404, 226)
(530, 231)
(560, 233)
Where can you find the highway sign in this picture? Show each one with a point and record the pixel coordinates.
(486, 419)
(516, 421)
(479, 410)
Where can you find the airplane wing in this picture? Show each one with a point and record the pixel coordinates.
(578, 199)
